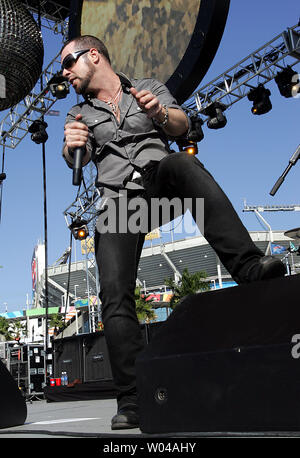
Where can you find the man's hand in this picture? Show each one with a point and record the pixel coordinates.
(177, 123)
(149, 103)
(76, 133)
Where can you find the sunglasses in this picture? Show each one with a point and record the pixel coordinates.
(70, 59)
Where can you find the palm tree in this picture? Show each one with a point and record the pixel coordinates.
(17, 329)
(57, 321)
(4, 328)
(144, 310)
(189, 284)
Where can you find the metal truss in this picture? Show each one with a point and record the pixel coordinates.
(259, 209)
(261, 66)
(271, 208)
(14, 126)
(85, 207)
(85, 203)
(49, 9)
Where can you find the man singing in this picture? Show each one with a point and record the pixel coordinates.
(124, 127)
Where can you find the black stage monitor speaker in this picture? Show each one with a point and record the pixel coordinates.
(13, 410)
(67, 354)
(96, 364)
(225, 360)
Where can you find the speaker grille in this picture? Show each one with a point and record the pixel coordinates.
(21, 53)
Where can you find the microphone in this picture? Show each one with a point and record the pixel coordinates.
(78, 154)
(77, 165)
(281, 179)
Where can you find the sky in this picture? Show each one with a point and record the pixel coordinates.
(246, 157)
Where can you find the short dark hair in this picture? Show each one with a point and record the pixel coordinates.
(89, 41)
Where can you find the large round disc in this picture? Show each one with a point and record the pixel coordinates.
(173, 41)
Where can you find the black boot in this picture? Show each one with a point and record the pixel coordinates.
(265, 268)
(126, 418)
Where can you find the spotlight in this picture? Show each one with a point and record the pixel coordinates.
(260, 98)
(214, 111)
(79, 229)
(38, 132)
(82, 233)
(59, 86)
(196, 133)
(287, 82)
(192, 149)
(188, 146)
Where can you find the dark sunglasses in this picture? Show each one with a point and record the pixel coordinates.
(70, 59)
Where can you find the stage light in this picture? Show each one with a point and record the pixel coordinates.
(192, 149)
(79, 229)
(187, 146)
(82, 233)
(214, 111)
(288, 82)
(261, 101)
(38, 132)
(196, 133)
(189, 142)
(59, 86)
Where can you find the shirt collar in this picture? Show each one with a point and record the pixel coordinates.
(125, 82)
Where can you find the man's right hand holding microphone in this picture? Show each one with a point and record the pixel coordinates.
(76, 137)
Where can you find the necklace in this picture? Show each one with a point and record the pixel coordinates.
(113, 102)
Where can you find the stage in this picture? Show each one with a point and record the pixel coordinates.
(242, 381)
(91, 419)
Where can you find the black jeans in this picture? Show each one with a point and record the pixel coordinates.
(177, 175)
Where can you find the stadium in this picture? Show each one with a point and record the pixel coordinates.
(77, 284)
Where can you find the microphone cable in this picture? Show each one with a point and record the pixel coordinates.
(2, 175)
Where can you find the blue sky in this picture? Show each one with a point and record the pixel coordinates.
(246, 157)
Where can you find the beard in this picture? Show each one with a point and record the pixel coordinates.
(84, 83)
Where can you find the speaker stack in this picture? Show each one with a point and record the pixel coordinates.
(13, 411)
(85, 356)
(225, 360)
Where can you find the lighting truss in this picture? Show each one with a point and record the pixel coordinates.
(17, 120)
(261, 66)
(271, 208)
(86, 202)
(49, 10)
(14, 126)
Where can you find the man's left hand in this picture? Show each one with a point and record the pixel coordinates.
(149, 103)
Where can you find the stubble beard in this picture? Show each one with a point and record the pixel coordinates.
(83, 87)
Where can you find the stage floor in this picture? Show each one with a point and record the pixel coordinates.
(91, 419)
(67, 419)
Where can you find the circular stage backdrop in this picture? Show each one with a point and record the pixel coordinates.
(173, 41)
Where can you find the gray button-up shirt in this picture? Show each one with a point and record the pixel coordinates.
(120, 148)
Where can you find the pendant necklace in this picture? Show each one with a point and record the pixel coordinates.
(113, 102)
